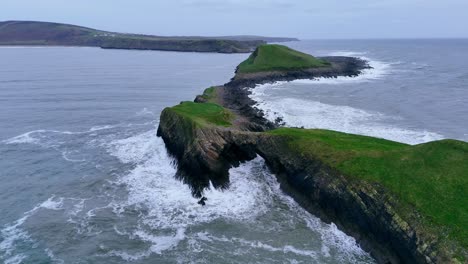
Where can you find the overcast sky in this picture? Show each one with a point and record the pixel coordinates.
(306, 19)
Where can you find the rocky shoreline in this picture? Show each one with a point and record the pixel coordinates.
(366, 211)
(235, 93)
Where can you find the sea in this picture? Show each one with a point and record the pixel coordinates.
(85, 179)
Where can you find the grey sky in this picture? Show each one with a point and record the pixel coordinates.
(296, 18)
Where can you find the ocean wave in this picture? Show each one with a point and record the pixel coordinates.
(65, 156)
(158, 243)
(28, 137)
(170, 209)
(204, 236)
(312, 114)
(331, 236)
(145, 111)
(167, 202)
(37, 137)
(378, 71)
(16, 259)
(347, 53)
(52, 257)
(152, 183)
(13, 233)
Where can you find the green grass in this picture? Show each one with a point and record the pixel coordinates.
(210, 94)
(278, 58)
(431, 177)
(205, 113)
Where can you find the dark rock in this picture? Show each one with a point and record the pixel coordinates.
(202, 201)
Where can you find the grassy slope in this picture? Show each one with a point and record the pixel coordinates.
(210, 95)
(205, 113)
(431, 177)
(278, 58)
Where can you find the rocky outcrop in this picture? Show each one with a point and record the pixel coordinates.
(204, 153)
(339, 66)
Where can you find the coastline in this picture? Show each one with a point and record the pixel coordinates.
(367, 211)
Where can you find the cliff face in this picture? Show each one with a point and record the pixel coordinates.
(365, 211)
(204, 153)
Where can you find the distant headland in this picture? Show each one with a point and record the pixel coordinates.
(33, 33)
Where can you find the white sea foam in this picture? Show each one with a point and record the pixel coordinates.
(145, 111)
(16, 259)
(204, 236)
(379, 70)
(135, 149)
(98, 128)
(151, 184)
(37, 136)
(169, 205)
(65, 156)
(47, 137)
(331, 236)
(52, 257)
(162, 243)
(310, 114)
(24, 138)
(13, 232)
(159, 244)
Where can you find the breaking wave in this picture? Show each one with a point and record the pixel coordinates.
(295, 112)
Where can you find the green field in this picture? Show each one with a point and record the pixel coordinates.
(278, 58)
(204, 113)
(430, 177)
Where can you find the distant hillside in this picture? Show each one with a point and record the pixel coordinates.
(267, 39)
(56, 34)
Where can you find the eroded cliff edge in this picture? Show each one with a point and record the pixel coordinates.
(328, 173)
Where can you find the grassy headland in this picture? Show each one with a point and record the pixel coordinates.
(431, 178)
(209, 95)
(278, 58)
(205, 113)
